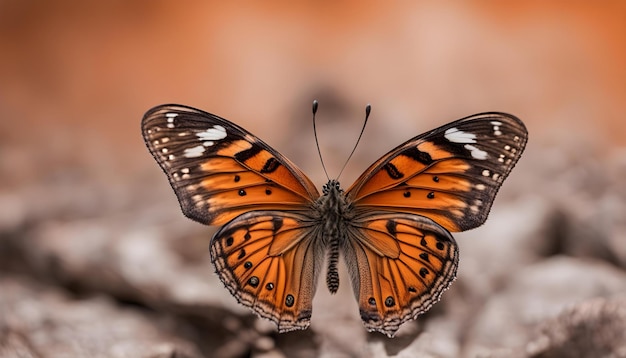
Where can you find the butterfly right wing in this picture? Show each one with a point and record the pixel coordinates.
(270, 261)
(399, 265)
(219, 170)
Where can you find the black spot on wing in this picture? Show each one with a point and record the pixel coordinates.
(418, 155)
(277, 224)
(248, 153)
(270, 165)
(391, 227)
(253, 281)
(393, 172)
(390, 302)
(290, 300)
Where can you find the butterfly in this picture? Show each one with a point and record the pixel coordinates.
(392, 226)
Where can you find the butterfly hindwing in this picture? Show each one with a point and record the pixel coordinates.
(400, 264)
(217, 169)
(269, 261)
(450, 174)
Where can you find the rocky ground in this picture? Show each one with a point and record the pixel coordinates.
(116, 271)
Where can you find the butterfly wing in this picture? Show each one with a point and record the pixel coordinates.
(450, 174)
(400, 252)
(269, 261)
(399, 264)
(217, 169)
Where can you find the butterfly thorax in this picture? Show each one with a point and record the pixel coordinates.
(332, 210)
(333, 214)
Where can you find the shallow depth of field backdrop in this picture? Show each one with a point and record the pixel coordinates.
(96, 258)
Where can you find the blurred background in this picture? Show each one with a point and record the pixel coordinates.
(96, 258)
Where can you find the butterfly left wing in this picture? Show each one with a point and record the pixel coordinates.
(269, 261)
(219, 170)
(450, 174)
(399, 265)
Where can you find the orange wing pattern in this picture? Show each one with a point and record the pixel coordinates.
(400, 264)
(270, 262)
(450, 174)
(218, 170)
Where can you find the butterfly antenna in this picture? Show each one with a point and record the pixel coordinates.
(317, 143)
(368, 109)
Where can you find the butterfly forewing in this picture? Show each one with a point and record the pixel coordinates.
(450, 174)
(217, 169)
(400, 264)
(269, 261)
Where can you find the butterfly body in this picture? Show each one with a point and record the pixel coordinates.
(333, 213)
(391, 227)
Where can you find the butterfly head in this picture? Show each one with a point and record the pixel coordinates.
(332, 186)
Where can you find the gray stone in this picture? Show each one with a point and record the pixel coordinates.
(43, 322)
(537, 293)
(593, 328)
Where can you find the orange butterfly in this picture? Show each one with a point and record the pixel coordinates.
(392, 226)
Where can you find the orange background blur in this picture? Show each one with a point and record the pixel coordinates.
(76, 77)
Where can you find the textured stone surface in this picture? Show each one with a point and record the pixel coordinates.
(593, 328)
(37, 321)
(536, 294)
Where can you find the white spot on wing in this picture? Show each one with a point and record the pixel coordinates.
(476, 153)
(171, 115)
(194, 152)
(486, 173)
(496, 123)
(197, 198)
(216, 133)
(480, 186)
(456, 136)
